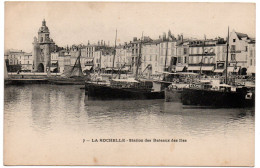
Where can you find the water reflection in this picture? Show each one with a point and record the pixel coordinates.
(51, 107)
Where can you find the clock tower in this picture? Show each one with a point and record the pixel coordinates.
(42, 48)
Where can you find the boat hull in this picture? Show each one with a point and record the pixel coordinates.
(213, 98)
(96, 91)
(173, 95)
(66, 82)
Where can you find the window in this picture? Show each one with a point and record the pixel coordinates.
(205, 60)
(251, 62)
(211, 60)
(234, 40)
(233, 48)
(185, 51)
(233, 57)
(150, 58)
(185, 60)
(191, 50)
(246, 48)
(179, 59)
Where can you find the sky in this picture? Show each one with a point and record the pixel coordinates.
(77, 22)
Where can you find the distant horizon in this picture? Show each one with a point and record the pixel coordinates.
(79, 22)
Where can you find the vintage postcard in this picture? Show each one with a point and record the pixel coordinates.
(129, 83)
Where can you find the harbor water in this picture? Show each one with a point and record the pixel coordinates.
(50, 124)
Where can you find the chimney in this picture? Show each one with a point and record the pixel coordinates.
(169, 33)
(164, 36)
(135, 39)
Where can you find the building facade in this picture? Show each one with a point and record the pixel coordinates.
(202, 56)
(239, 44)
(20, 59)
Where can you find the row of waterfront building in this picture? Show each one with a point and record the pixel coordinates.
(151, 56)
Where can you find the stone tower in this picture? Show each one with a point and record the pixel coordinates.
(42, 48)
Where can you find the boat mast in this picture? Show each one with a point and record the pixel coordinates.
(226, 74)
(201, 62)
(80, 69)
(114, 56)
(138, 58)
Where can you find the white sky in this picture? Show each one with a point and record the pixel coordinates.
(74, 23)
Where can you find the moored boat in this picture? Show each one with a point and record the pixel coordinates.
(222, 96)
(175, 83)
(123, 89)
(130, 88)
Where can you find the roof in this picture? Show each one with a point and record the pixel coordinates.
(15, 50)
(241, 35)
(28, 53)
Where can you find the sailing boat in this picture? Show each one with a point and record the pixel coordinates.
(74, 77)
(219, 95)
(124, 88)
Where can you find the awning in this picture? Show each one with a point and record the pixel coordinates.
(179, 68)
(219, 70)
(251, 69)
(233, 69)
(126, 80)
(207, 68)
(108, 69)
(193, 68)
(87, 68)
(198, 68)
(89, 59)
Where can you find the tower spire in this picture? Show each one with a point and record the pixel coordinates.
(43, 22)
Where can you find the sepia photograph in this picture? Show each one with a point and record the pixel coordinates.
(129, 83)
